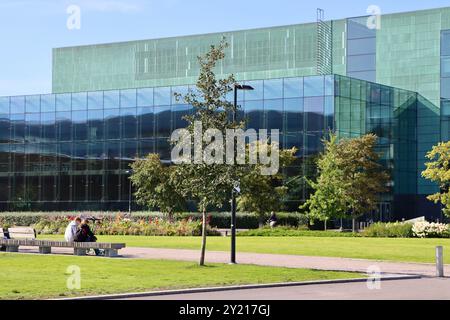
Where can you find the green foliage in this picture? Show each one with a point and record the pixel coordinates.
(328, 200)
(350, 179)
(155, 185)
(293, 232)
(120, 225)
(262, 194)
(216, 219)
(389, 230)
(438, 170)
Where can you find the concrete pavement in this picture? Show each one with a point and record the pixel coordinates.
(419, 289)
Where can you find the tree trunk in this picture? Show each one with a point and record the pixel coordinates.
(325, 225)
(203, 249)
(353, 225)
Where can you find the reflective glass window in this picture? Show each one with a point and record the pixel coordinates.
(145, 97)
(361, 63)
(256, 94)
(79, 123)
(254, 113)
(95, 100)
(162, 96)
(273, 110)
(361, 46)
(48, 103)
(146, 147)
(445, 43)
(314, 86)
(293, 87)
(293, 109)
(111, 99)
(146, 122)
(64, 126)
(63, 102)
(48, 123)
(445, 88)
(33, 104)
(79, 101)
(129, 124)
(96, 125)
(273, 89)
(357, 28)
(181, 90)
(17, 104)
(363, 75)
(163, 117)
(179, 112)
(445, 66)
(4, 105)
(96, 156)
(112, 123)
(128, 98)
(112, 154)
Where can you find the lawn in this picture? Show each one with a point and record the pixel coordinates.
(405, 250)
(26, 276)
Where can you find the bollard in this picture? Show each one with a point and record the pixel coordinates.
(440, 262)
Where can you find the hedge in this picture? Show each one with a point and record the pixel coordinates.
(216, 219)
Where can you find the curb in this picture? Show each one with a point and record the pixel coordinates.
(389, 277)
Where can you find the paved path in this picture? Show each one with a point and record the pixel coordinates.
(290, 261)
(421, 289)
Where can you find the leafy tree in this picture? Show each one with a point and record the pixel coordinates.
(155, 185)
(262, 194)
(438, 170)
(208, 184)
(328, 199)
(364, 177)
(350, 179)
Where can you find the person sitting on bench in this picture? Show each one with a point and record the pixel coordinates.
(85, 234)
(72, 229)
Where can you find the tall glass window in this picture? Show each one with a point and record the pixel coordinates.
(361, 50)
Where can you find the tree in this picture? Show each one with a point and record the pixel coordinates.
(350, 179)
(438, 170)
(210, 184)
(262, 194)
(364, 177)
(155, 185)
(328, 199)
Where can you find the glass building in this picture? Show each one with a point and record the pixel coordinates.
(113, 103)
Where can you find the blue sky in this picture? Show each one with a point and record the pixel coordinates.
(29, 29)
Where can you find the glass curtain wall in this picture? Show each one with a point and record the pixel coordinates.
(73, 151)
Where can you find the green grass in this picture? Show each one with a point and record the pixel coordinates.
(393, 249)
(26, 276)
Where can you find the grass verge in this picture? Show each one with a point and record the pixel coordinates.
(27, 276)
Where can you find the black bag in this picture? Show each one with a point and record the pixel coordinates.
(79, 236)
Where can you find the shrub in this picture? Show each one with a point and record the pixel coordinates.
(424, 229)
(217, 219)
(389, 230)
(113, 225)
(293, 232)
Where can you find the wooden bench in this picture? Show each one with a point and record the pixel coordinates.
(26, 237)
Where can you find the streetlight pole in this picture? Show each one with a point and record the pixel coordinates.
(233, 192)
(130, 172)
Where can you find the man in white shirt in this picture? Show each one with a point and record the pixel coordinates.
(71, 229)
